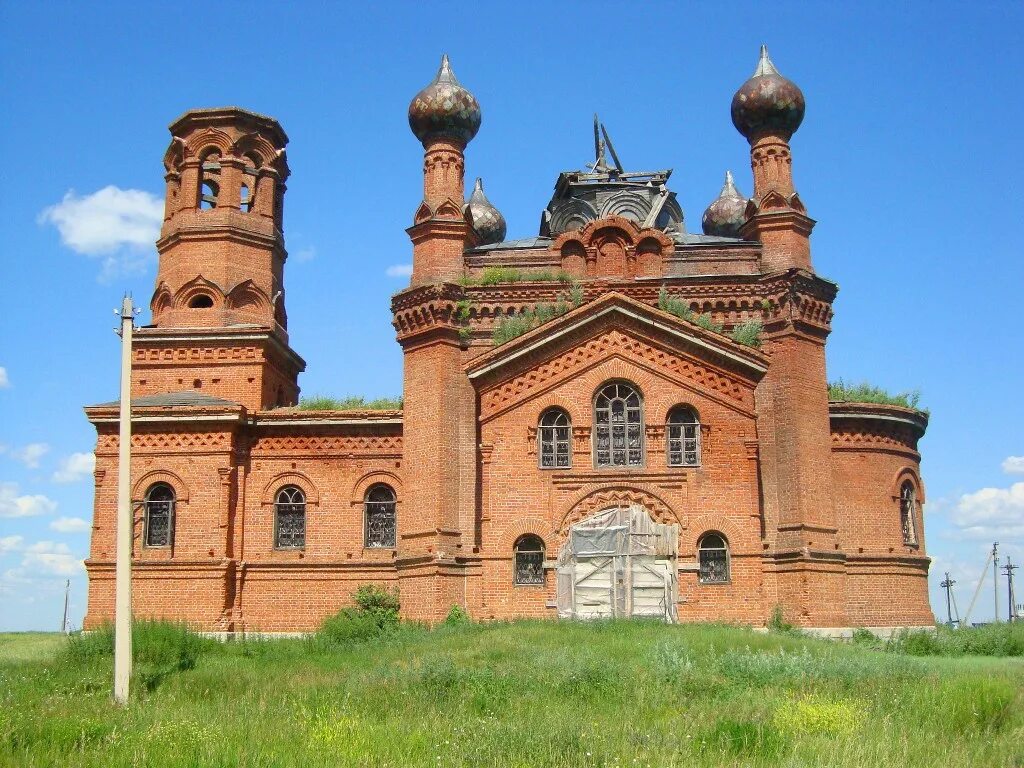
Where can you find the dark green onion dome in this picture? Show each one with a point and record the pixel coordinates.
(488, 222)
(444, 110)
(726, 214)
(767, 103)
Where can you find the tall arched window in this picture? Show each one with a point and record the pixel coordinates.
(908, 512)
(683, 438)
(290, 518)
(713, 558)
(528, 556)
(247, 199)
(618, 426)
(209, 181)
(379, 507)
(555, 437)
(159, 518)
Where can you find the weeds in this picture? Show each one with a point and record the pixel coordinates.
(513, 326)
(351, 403)
(747, 333)
(840, 391)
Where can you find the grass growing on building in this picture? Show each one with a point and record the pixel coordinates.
(840, 391)
(512, 326)
(500, 275)
(747, 333)
(351, 403)
(559, 694)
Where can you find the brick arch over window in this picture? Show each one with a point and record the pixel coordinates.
(299, 480)
(591, 502)
(206, 141)
(524, 526)
(160, 476)
(702, 524)
(902, 476)
(196, 287)
(372, 478)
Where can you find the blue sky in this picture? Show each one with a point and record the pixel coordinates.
(908, 158)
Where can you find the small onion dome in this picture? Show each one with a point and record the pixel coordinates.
(767, 103)
(488, 222)
(726, 214)
(444, 110)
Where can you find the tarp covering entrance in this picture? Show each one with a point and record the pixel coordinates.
(619, 563)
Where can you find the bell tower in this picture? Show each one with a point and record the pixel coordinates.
(219, 321)
(792, 399)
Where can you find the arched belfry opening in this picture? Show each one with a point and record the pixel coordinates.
(619, 563)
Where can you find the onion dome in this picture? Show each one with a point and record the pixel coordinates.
(488, 222)
(726, 214)
(767, 103)
(444, 110)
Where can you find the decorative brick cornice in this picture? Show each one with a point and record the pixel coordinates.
(425, 309)
(875, 426)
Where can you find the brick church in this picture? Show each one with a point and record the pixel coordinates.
(616, 417)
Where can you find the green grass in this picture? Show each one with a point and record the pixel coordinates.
(840, 391)
(747, 333)
(508, 328)
(522, 694)
(501, 275)
(353, 403)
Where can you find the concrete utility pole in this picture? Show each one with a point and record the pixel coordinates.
(995, 577)
(947, 584)
(1008, 569)
(125, 523)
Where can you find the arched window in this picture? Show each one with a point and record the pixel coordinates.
(248, 195)
(380, 517)
(683, 438)
(713, 558)
(618, 427)
(159, 519)
(209, 181)
(528, 554)
(908, 512)
(290, 518)
(555, 436)
(200, 301)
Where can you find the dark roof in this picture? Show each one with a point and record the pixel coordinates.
(690, 238)
(189, 398)
(511, 245)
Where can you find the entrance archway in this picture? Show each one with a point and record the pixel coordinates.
(619, 563)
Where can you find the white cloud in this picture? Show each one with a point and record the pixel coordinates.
(1014, 465)
(75, 467)
(31, 454)
(399, 270)
(118, 225)
(991, 513)
(51, 558)
(13, 505)
(69, 525)
(305, 254)
(10, 544)
(4, 381)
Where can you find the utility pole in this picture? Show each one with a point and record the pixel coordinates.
(125, 523)
(67, 591)
(1008, 569)
(947, 584)
(995, 577)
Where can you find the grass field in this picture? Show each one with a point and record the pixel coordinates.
(523, 694)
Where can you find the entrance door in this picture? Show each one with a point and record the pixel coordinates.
(618, 563)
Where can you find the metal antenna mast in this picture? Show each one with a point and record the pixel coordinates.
(947, 584)
(1008, 569)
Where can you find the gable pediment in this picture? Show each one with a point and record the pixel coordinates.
(616, 327)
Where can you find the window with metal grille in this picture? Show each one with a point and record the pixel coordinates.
(555, 436)
(618, 427)
(908, 512)
(683, 438)
(528, 556)
(713, 558)
(209, 181)
(380, 517)
(290, 518)
(159, 518)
